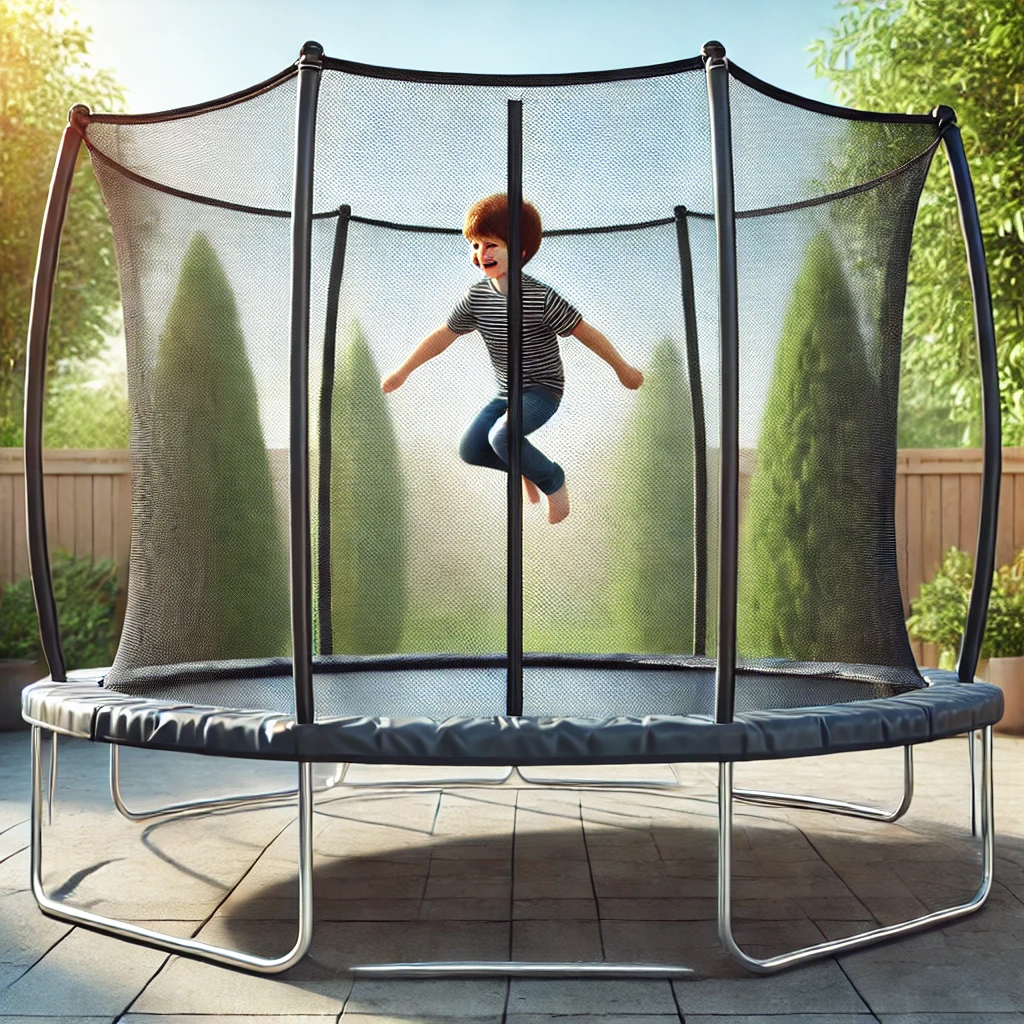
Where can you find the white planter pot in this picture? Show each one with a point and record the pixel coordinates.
(1008, 675)
(15, 675)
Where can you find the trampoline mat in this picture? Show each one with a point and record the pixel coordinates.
(553, 686)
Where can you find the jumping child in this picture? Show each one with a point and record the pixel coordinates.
(546, 317)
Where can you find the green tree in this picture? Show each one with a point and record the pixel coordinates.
(368, 593)
(808, 543)
(217, 536)
(44, 71)
(652, 569)
(912, 55)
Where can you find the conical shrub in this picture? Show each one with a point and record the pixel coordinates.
(368, 536)
(219, 552)
(809, 544)
(653, 562)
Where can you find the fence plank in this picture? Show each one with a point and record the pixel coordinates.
(914, 560)
(122, 523)
(1018, 511)
(901, 540)
(103, 516)
(970, 505)
(66, 513)
(1004, 537)
(6, 530)
(931, 525)
(20, 536)
(50, 504)
(949, 484)
(83, 486)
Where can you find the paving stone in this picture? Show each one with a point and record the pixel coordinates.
(203, 1018)
(591, 1018)
(409, 998)
(565, 941)
(951, 1018)
(106, 1019)
(14, 839)
(25, 934)
(553, 910)
(597, 997)
(784, 1018)
(87, 974)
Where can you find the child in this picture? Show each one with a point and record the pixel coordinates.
(546, 316)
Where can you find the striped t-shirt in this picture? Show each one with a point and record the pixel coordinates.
(546, 315)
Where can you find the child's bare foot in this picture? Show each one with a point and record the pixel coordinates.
(532, 494)
(558, 505)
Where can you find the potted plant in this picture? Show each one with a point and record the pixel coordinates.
(940, 612)
(86, 596)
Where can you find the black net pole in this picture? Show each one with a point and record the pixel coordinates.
(298, 483)
(728, 313)
(700, 450)
(323, 550)
(35, 389)
(984, 329)
(514, 493)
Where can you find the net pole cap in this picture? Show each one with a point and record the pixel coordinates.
(713, 50)
(311, 52)
(944, 115)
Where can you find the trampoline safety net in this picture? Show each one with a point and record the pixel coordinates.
(409, 542)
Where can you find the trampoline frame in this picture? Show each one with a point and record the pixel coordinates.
(272, 965)
(309, 66)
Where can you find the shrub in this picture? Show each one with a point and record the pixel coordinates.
(218, 545)
(653, 563)
(940, 611)
(368, 594)
(86, 596)
(809, 541)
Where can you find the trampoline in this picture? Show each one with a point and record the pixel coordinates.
(317, 577)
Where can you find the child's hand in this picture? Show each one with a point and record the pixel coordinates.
(630, 376)
(393, 381)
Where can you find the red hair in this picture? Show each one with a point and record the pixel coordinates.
(488, 218)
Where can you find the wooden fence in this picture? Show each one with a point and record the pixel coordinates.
(88, 510)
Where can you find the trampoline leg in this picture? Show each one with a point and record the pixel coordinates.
(972, 738)
(824, 949)
(540, 780)
(173, 943)
(471, 780)
(51, 783)
(205, 803)
(813, 803)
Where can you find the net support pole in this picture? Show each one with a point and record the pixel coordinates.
(35, 388)
(323, 550)
(310, 63)
(700, 440)
(514, 493)
(717, 71)
(985, 332)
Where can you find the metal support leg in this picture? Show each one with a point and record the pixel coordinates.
(813, 803)
(543, 780)
(51, 782)
(205, 803)
(972, 739)
(824, 949)
(172, 943)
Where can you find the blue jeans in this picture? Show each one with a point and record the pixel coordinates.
(485, 442)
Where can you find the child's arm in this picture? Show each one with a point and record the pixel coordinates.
(630, 376)
(432, 345)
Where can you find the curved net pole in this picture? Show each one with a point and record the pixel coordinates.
(310, 63)
(35, 388)
(984, 329)
(700, 439)
(325, 631)
(728, 312)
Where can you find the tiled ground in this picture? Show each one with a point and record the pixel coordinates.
(513, 871)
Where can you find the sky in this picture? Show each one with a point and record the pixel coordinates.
(171, 53)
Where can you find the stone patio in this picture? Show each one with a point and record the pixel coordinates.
(513, 871)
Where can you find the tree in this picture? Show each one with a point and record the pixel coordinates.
(218, 553)
(809, 538)
(912, 55)
(653, 566)
(368, 594)
(44, 71)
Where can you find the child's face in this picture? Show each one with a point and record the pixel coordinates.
(490, 255)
